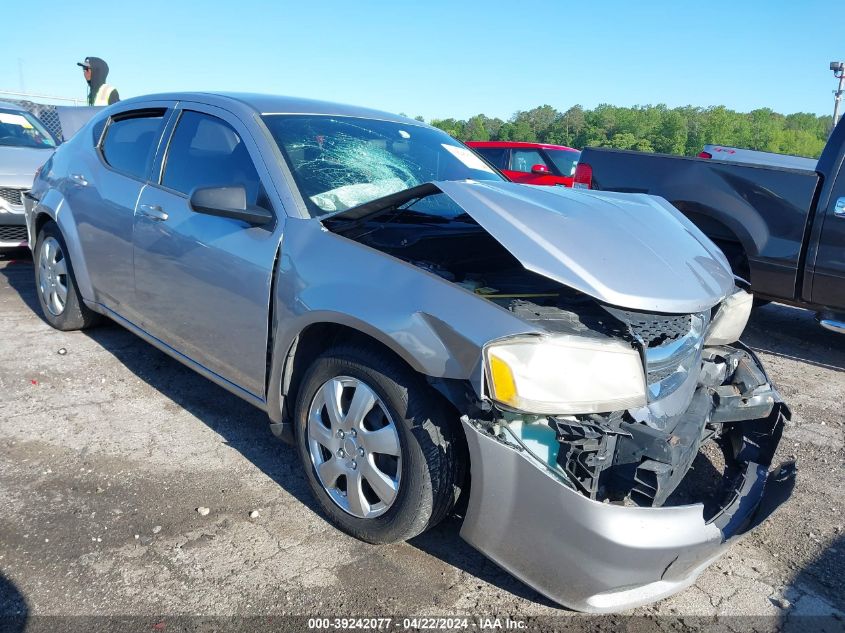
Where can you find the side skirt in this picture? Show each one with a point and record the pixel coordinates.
(250, 397)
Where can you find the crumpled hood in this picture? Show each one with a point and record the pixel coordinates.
(630, 250)
(18, 164)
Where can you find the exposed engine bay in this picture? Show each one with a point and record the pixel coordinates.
(735, 419)
(711, 410)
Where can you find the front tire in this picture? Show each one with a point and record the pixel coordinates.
(376, 443)
(58, 294)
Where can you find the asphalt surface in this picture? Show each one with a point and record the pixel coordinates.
(108, 447)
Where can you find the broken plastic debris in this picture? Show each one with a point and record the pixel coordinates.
(202, 511)
(254, 514)
(62, 351)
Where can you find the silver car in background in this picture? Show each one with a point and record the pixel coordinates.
(548, 363)
(25, 145)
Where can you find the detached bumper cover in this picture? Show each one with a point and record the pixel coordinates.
(600, 557)
(586, 555)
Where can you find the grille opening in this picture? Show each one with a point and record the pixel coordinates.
(12, 196)
(13, 234)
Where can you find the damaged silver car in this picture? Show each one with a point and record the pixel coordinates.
(561, 368)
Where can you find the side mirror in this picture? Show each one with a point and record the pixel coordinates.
(540, 169)
(228, 202)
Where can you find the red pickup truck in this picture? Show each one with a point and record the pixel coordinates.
(530, 163)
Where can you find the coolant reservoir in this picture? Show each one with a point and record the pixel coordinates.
(539, 438)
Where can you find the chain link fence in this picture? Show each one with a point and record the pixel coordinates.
(47, 114)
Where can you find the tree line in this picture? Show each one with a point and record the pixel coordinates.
(650, 128)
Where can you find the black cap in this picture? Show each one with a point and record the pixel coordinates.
(85, 64)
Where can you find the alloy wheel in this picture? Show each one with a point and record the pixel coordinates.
(52, 278)
(354, 447)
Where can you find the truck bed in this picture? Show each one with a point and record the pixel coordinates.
(756, 212)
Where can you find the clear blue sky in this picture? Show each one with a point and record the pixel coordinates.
(439, 58)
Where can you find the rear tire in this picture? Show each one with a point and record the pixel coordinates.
(55, 283)
(412, 490)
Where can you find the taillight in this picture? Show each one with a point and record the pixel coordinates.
(583, 176)
(705, 155)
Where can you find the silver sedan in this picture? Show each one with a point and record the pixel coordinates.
(547, 363)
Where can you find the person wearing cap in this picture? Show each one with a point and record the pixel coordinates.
(99, 92)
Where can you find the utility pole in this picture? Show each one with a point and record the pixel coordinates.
(838, 69)
(20, 75)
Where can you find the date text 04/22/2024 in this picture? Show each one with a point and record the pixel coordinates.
(416, 623)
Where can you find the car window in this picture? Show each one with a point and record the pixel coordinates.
(207, 152)
(496, 156)
(22, 129)
(565, 160)
(131, 140)
(525, 159)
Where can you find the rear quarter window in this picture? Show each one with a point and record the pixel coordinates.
(130, 141)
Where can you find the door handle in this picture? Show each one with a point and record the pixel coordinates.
(152, 211)
(839, 208)
(79, 179)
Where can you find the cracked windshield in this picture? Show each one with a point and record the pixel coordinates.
(341, 162)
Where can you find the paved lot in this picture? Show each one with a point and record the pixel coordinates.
(107, 450)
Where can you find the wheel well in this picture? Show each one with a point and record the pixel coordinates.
(737, 257)
(726, 239)
(310, 343)
(40, 220)
(319, 337)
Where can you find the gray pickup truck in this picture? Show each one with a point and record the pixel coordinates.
(783, 229)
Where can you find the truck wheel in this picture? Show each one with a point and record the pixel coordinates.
(376, 443)
(58, 294)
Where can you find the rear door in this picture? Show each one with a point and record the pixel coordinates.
(829, 272)
(202, 283)
(102, 189)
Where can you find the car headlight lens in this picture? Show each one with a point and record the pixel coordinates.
(730, 319)
(564, 375)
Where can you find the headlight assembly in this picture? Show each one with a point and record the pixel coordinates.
(730, 319)
(564, 374)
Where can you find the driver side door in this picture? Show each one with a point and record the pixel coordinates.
(202, 282)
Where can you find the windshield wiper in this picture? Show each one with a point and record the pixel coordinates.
(355, 216)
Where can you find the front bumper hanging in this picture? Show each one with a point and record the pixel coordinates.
(599, 557)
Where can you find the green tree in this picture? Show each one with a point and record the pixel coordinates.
(476, 130)
(648, 128)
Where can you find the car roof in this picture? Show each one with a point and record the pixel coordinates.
(500, 144)
(11, 106)
(275, 104)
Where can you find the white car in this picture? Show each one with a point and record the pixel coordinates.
(25, 145)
